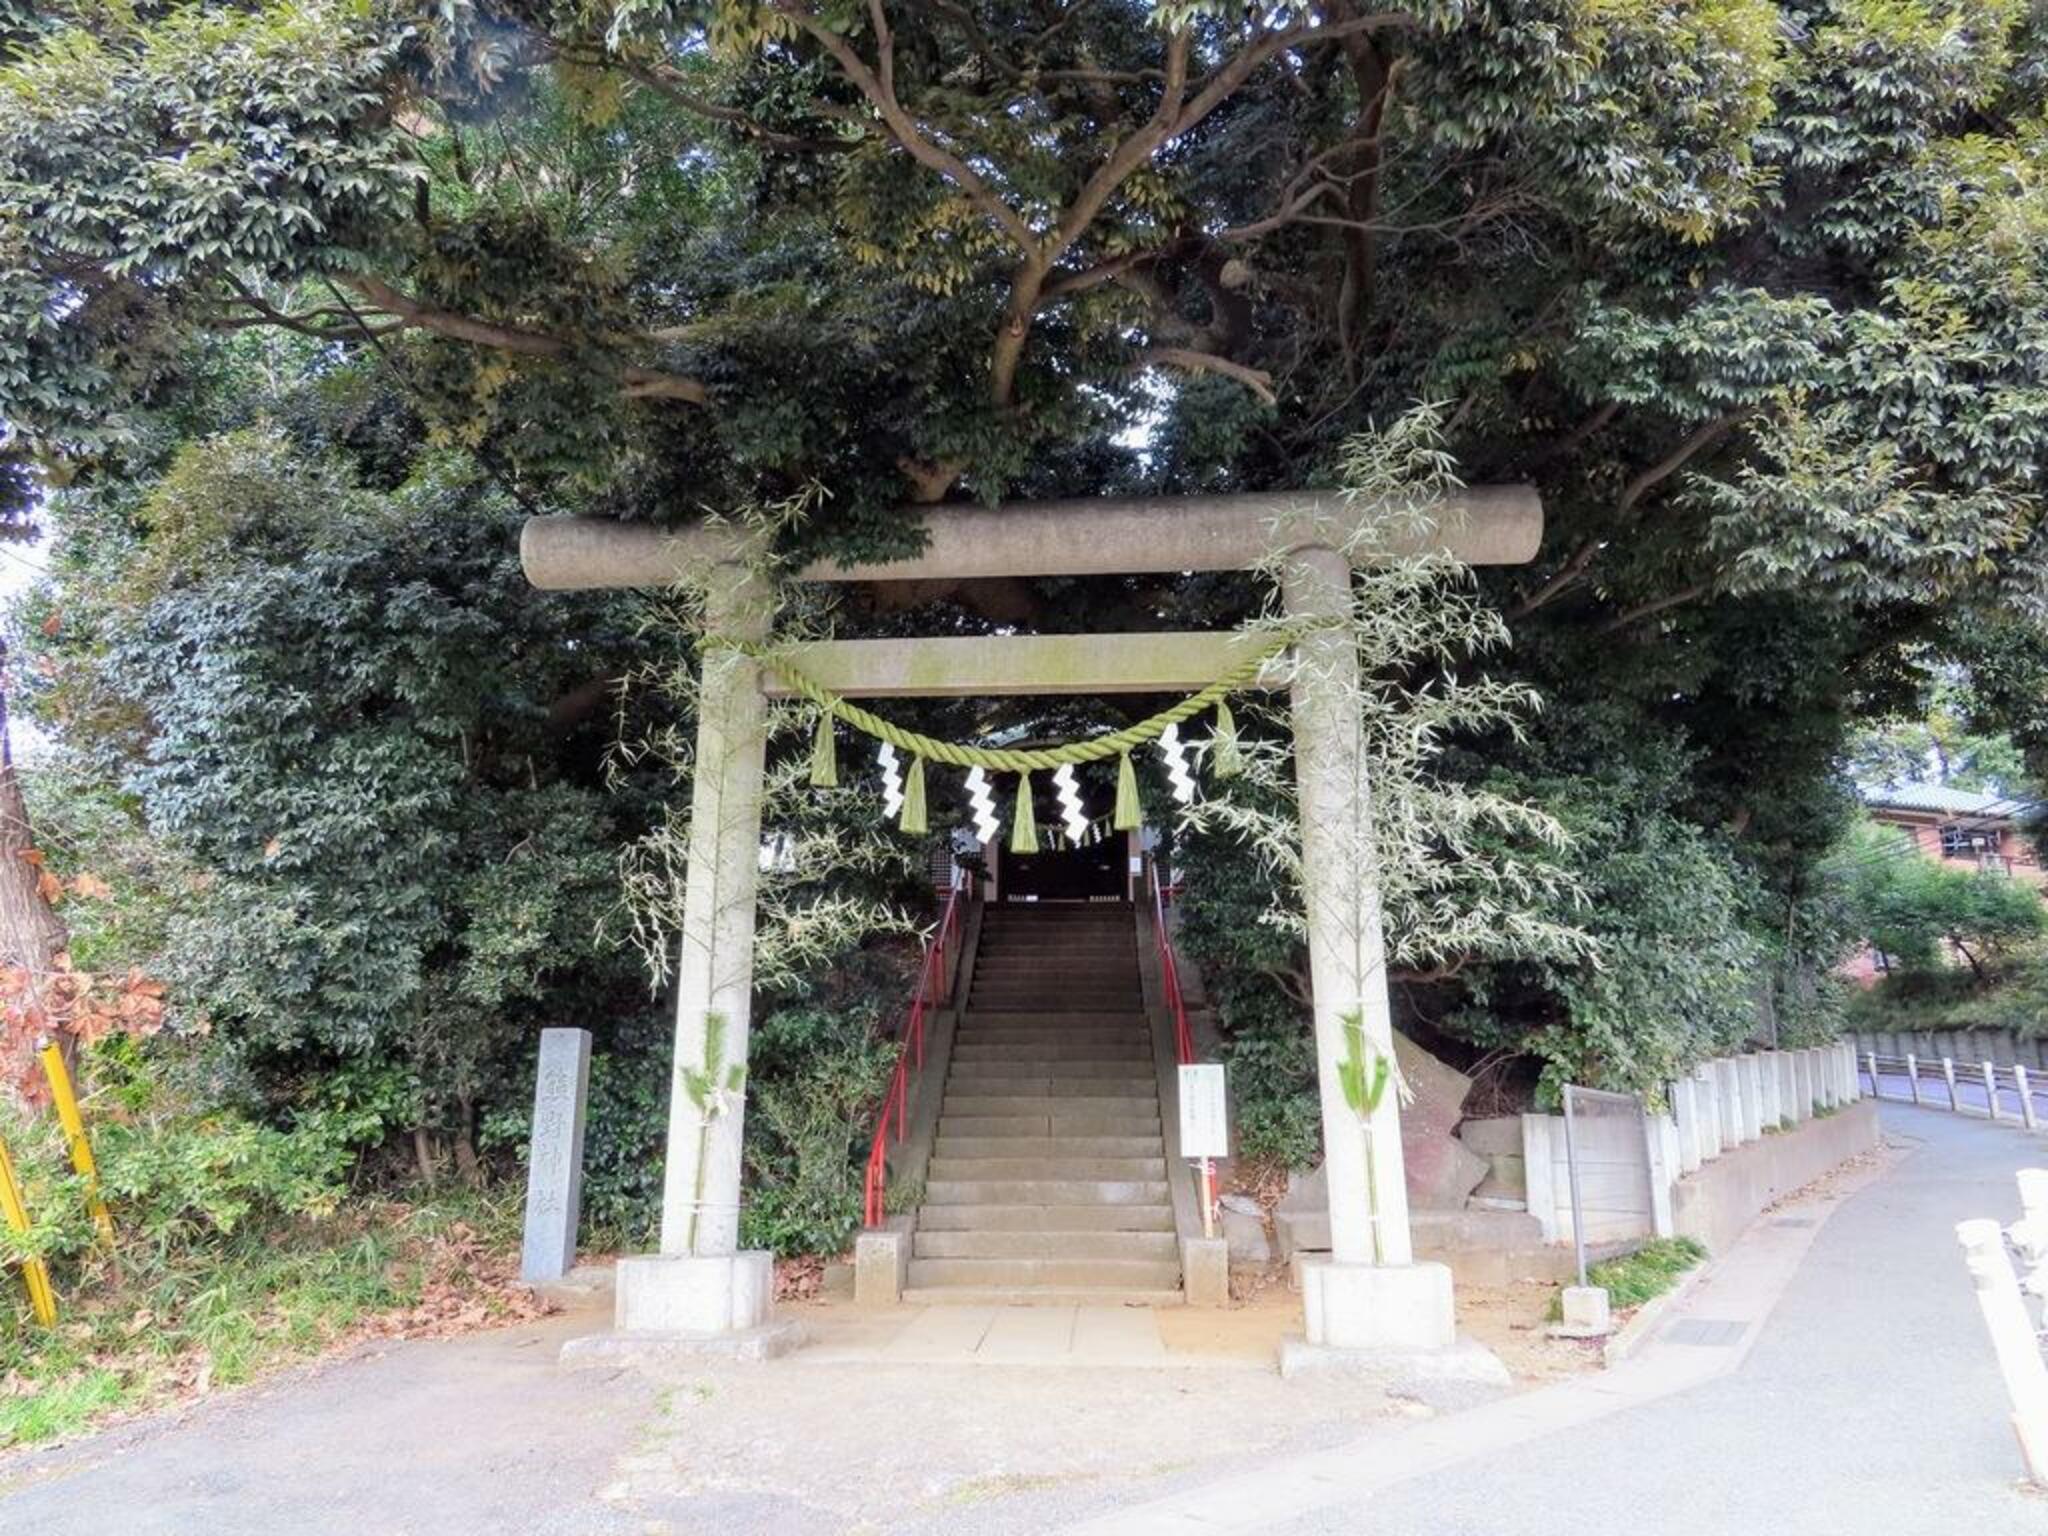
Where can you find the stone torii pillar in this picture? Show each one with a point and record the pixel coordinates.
(1370, 1293)
(700, 1291)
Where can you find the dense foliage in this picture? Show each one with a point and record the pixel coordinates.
(1752, 291)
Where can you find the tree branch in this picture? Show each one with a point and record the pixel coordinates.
(1566, 575)
(667, 82)
(879, 89)
(635, 383)
(1661, 605)
(1257, 380)
(1704, 436)
(1694, 443)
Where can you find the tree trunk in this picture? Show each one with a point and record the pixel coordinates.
(423, 1155)
(466, 1163)
(31, 932)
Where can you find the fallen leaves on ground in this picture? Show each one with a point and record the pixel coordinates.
(466, 1285)
(799, 1279)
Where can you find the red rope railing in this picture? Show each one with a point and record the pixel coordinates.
(935, 977)
(1177, 1004)
(1169, 967)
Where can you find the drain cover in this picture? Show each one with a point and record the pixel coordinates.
(1713, 1331)
(1793, 1221)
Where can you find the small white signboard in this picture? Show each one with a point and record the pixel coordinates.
(1204, 1112)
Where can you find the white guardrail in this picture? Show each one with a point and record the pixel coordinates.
(1987, 1088)
(2012, 1308)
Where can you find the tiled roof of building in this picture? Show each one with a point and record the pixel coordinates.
(1940, 800)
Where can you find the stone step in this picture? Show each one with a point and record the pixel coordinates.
(1062, 952)
(1059, 1121)
(1131, 1085)
(1118, 1274)
(1067, 1018)
(1060, 1052)
(1046, 1192)
(1124, 933)
(1081, 941)
(1159, 1247)
(1043, 991)
(974, 1068)
(1053, 1006)
(1048, 1145)
(1067, 960)
(1046, 1218)
(1068, 1047)
(1053, 1028)
(970, 1106)
(1034, 979)
(1038, 1296)
(1043, 1169)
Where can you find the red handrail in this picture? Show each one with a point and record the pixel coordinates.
(934, 984)
(1183, 1037)
(1169, 968)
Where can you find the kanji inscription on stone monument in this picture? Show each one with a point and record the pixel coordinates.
(554, 1174)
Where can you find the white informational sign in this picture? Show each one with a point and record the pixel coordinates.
(1204, 1112)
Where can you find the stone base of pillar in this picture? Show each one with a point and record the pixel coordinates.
(881, 1264)
(667, 1304)
(1373, 1306)
(1392, 1324)
(1587, 1313)
(1205, 1271)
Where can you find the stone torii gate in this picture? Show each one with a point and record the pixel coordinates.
(700, 1290)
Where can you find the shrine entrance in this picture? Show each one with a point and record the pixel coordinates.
(1094, 872)
(700, 1290)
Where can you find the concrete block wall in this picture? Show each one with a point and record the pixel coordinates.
(1614, 1176)
(1637, 1173)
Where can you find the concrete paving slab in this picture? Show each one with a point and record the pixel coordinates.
(1020, 1335)
(943, 1330)
(1124, 1334)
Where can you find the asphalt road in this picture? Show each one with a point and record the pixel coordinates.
(1970, 1094)
(484, 1435)
(1870, 1402)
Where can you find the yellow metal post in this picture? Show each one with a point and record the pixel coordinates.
(73, 1122)
(41, 1299)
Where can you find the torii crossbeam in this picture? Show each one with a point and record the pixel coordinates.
(700, 1287)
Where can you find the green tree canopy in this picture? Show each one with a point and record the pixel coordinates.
(1752, 290)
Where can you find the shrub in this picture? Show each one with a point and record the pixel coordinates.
(175, 1175)
(818, 1074)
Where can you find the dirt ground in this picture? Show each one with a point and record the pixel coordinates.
(1509, 1320)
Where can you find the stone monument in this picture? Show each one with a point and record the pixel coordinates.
(554, 1168)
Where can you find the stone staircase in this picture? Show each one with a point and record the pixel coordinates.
(1048, 1177)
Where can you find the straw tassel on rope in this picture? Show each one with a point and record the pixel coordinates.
(1225, 756)
(913, 820)
(1024, 829)
(1130, 815)
(824, 755)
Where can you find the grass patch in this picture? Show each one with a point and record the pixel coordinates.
(1650, 1271)
(146, 1327)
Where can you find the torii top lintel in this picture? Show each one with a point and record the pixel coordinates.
(1484, 525)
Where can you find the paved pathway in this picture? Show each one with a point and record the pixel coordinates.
(1866, 1400)
(1843, 1383)
(478, 1436)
